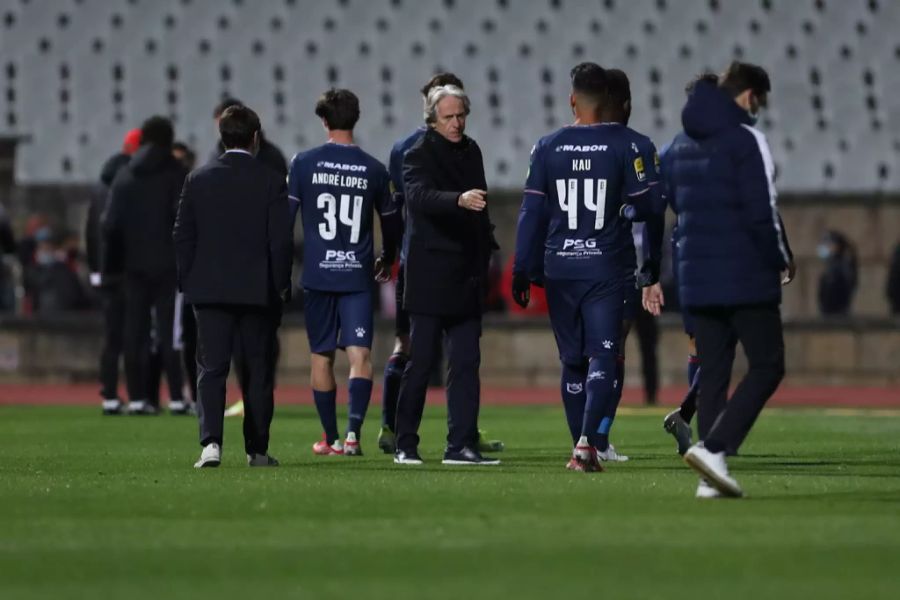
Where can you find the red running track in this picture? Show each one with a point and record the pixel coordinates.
(849, 397)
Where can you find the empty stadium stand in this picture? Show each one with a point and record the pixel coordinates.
(76, 74)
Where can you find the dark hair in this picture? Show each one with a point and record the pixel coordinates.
(190, 157)
(745, 76)
(618, 86)
(158, 131)
(705, 76)
(589, 79)
(440, 80)
(224, 105)
(339, 109)
(237, 126)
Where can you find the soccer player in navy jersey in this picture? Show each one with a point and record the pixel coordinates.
(393, 370)
(337, 188)
(578, 178)
(616, 112)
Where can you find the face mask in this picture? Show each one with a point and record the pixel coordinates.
(823, 251)
(44, 258)
(754, 111)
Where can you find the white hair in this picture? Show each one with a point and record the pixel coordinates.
(436, 94)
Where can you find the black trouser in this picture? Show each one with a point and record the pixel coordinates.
(240, 366)
(648, 338)
(189, 346)
(217, 327)
(757, 327)
(143, 292)
(112, 300)
(463, 385)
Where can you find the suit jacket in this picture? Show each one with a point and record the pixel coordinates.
(449, 247)
(137, 224)
(232, 235)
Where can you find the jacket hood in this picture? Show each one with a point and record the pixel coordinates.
(112, 166)
(151, 159)
(710, 110)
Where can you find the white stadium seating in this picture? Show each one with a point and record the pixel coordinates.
(76, 74)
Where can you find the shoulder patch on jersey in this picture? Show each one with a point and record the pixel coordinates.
(639, 169)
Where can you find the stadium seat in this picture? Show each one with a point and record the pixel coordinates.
(834, 68)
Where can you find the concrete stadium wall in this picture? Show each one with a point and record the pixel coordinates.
(514, 353)
(871, 222)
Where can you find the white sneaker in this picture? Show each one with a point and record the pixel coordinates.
(610, 455)
(712, 467)
(113, 406)
(210, 457)
(351, 445)
(181, 407)
(704, 490)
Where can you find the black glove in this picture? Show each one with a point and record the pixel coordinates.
(521, 289)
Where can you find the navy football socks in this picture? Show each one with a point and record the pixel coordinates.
(393, 373)
(327, 409)
(610, 415)
(360, 393)
(574, 397)
(600, 378)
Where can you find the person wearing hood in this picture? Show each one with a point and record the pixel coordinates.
(137, 245)
(112, 296)
(732, 259)
(837, 284)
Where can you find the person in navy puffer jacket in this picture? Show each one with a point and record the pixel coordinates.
(732, 259)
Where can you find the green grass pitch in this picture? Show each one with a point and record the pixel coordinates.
(110, 507)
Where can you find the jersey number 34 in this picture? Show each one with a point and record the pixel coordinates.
(328, 229)
(594, 199)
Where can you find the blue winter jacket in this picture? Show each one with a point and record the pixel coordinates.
(718, 175)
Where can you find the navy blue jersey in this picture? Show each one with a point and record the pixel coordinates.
(337, 189)
(643, 149)
(578, 179)
(395, 168)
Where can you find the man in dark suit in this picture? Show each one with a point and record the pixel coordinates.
(137, 242)
(270, 155)
(450, 243)
(233, 245)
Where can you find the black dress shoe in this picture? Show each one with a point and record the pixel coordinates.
(402, 457)
(468, 456)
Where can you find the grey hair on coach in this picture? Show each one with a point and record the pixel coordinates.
(439, 93)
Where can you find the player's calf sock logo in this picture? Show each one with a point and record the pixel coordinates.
(360, 332)
(595, 375)
(574, 388)
(607, 344)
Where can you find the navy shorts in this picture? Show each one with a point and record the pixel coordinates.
(401, 318)
(632, 303)
(338, 319)
(586, 317)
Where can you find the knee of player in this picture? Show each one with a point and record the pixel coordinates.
(359, 356)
